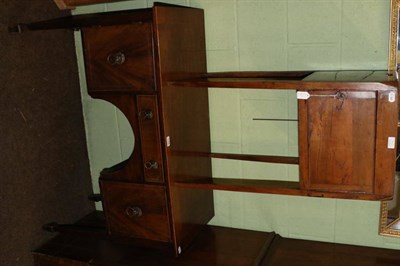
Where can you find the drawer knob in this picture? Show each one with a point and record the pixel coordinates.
(117, 58)
(133, 211)
(147, 114)
(151, 165)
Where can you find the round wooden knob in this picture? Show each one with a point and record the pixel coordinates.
(133, 211)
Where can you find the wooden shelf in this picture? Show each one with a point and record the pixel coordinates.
(290, 188)
(244, 185)
(257, 158)
(318, 81)
(242, 157)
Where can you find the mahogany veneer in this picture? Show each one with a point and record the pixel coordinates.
(129, 57)
(151, 64)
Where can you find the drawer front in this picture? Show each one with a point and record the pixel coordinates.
(150, 138)
(119, 58)
(135, 210)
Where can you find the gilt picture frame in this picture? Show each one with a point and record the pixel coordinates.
(389, 222)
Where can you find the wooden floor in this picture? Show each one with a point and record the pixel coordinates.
(215, 246)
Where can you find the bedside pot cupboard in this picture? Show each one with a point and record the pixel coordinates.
(151, 64)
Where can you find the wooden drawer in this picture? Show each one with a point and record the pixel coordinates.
(119, 58)
(136, 210)
(150, 138)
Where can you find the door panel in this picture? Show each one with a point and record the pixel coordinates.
(341, 141)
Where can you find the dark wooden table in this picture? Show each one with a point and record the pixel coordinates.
(86, 243)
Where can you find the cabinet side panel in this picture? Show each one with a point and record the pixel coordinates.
(185, 116)
(385, 164)
(303, 144)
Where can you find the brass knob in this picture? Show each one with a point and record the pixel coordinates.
(151, 165)
(117, 58)
(133, 211)
(147, 114)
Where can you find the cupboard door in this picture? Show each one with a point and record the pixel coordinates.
(119, 58)
(341, 134)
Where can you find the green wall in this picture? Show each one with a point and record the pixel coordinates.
(265, 35)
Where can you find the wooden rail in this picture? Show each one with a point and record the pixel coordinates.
(71, 4)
